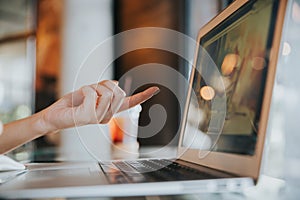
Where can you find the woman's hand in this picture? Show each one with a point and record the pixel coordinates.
(91, 104)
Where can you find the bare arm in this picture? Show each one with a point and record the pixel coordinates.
(89, 105)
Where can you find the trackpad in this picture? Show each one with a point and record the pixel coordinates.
(61, 176)
(54, 173)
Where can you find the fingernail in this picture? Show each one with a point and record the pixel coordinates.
(156, 92)
(116, 82)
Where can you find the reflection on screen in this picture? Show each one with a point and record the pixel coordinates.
(239, 47)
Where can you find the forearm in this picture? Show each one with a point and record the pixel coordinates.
(21, 131)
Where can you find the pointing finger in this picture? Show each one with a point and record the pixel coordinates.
(139, 98)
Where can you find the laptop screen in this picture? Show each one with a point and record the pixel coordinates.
(238, 48)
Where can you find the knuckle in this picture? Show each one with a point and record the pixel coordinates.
(120, 94)
(106, 94)
(102, 82)
(84, 88)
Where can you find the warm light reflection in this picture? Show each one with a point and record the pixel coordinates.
(258, 63)
(207, 93)
(296, 12)
(229, 63)
(286, 49)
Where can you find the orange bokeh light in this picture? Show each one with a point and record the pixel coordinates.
(229, 63)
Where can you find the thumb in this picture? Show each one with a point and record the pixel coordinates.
(88, 106)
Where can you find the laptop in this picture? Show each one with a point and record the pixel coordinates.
(224, 122)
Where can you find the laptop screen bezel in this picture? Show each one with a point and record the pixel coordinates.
(242, 165)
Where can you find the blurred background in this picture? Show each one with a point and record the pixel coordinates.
(43, 43)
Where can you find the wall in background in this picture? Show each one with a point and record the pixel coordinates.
(86, 24)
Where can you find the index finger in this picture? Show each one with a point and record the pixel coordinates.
(138, 98)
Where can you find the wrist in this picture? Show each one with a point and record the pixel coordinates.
(41, 124)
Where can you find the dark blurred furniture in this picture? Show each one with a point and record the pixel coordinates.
(151, 13)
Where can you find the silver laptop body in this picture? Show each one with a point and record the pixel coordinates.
(224, 122)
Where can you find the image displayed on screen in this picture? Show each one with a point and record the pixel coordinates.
(239, 47)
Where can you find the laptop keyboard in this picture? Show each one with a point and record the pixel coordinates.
(138, 171)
